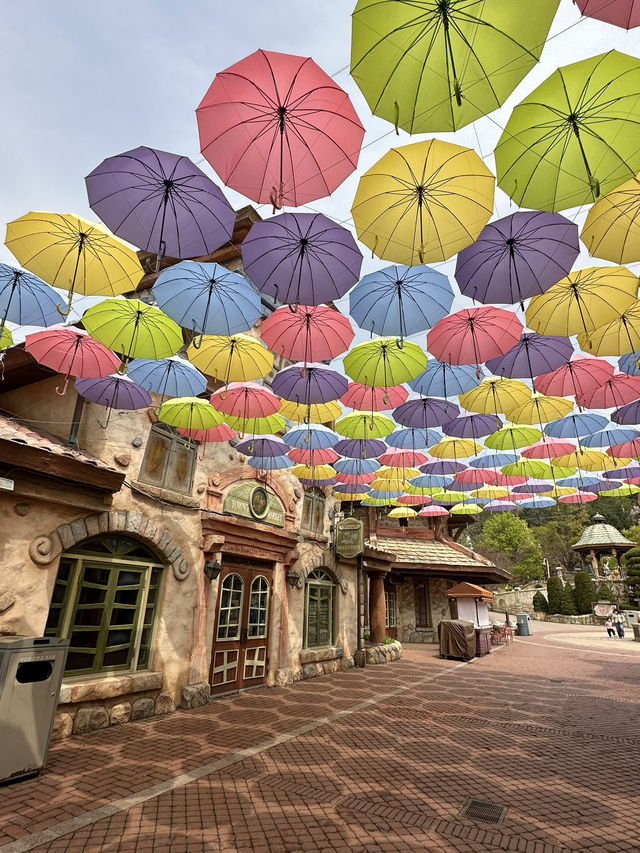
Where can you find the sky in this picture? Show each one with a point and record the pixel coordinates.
(83, 81)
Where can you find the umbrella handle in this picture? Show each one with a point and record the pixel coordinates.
(106, 423)
(400, 343)
(61, 312)
(294, 308)
(121, 369)
(196, 343)
(64, 387)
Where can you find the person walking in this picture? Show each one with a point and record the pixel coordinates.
(618, 621)
(609, 626)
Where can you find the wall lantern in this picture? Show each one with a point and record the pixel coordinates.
(212, 569)
(292, 578)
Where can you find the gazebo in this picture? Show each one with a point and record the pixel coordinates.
(601, 540)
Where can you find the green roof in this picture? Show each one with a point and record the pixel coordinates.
(599, 534)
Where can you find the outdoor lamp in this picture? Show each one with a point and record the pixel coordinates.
(212, 569)
(292, 578)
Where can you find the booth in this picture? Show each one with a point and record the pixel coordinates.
(472, 605)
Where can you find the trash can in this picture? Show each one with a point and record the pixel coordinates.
(31, 670)
(631, 617)
(636, 633)
(522, 622)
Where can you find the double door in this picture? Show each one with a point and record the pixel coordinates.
(239, 655)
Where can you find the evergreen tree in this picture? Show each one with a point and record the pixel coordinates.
(554, 594)
(540, 603)
(585, 592)
(605, 593)
(569, 603)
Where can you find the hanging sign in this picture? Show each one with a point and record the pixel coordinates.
(349, 537)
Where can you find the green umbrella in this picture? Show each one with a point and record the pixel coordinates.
(436, 65)
(575, 137)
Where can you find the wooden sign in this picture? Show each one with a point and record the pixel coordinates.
(253, 500)
(349, 537)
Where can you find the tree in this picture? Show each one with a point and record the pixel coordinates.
(569, 603)
(554, 594)
(540, 603)
(557, 537)
(605, 593)
(633, 532)
(509, 542)
(632, 565)
(585, 592)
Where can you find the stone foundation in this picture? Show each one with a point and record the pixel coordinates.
(383, 652)
(587, 619)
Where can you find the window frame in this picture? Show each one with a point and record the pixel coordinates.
(313, 497)
(175, 440)
(326, 583)
(389, 610)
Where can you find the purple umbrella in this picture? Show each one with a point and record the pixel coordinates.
(517, 257)
(501, 506)
(161, 203)
(310, 383)
(352, 488)
(629, 414)
(356, 448)
(114, 392)
(301, 258)
(602, 486)
(262, 445)
(425, 412)
(532, 355)
(443, 466)
(625, 473)
(532, 486)
(318, 483)
(472, 426)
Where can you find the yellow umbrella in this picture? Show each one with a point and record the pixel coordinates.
(612, 227)
(369, 501)
(6, 338)
(190, 413)
(237, 358)
(590, 460)
(540, 409)
(423, 202)
(348, 496)
(317, 413)
(382, 484)
(313, 472)
(495, 395)
(618, 337)
(364, 425)
(402, 512)
(465, 509)
(384, 362)
(386, 472)
(620, 492)
(559, 492)
(72, 253)
(455, 448)
(582, 301)
(490, 492)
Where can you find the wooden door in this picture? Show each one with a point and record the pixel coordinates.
(239, 653)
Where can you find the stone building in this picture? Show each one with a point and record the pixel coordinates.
(602, 540)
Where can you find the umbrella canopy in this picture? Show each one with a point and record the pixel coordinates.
(425, 412)
(219, 433)
(442, 466)
(423, 202)
(473, 335)
(313, 472)
(356, 466)
(311, 437)
(133, 329)
(316, 413)
(472, 426)
(278, 129)
(610, 435)
(72, 352)
(576, 136)
(631, 471)
(189, 413)
(429, 481)
(433, 512)
(582, 481)
(315, 383)
(25, 299)
(356, 448)
(467, 508)
(160, 202)
(113, 392)
(412, 438)
(628, 414)
(627, 448)
(245, 400)
(617, 390)
(577, 498)
(269, 463)
(500, 505)
(413, 500)
(306, 456)
(435, 67)
(363, 426)
(532, 355)
(455, 448)
(383, 362)
(583, 301)
(402, 512)
(207, 298)
(517, 257)
(618, 337)
(6, 338)
(620, 13)
(575, 425)
(540, 409)
(402, 458)
(538, 503)
(547, 449)
(629, 363)
(257, 426)
(589, 460)
(234, 358)
(511, 436)
(301, 258)
(400, 300)
(70, 252)
(578, 376)
(168, 377)
(440, 379)
(495, 395)
(263, 445)
(612, 227)
(312, 333)
(493, 460)
(369, 398)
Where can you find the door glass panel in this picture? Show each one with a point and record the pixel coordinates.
(258, 608)
(230, 608)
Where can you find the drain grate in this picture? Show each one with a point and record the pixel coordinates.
(483, 810)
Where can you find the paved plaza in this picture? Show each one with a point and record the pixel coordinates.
(370, 761)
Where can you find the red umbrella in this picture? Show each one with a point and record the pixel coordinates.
(73, 352)
(577, 498)
(219, 433)
(621, 13)
(278, 129)
(473, 335)
(245, 400)
(627, 448)
(433, 511)
(616, 391)
(312, 333)
(356, 479)
(364, 398)
(581, 375)
(309, 456)
(415, 500)
(403, 458)
(548, 449)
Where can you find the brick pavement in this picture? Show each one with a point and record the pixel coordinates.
(375, 760)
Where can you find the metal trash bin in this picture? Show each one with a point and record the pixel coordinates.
(631, 617)
(31, 670)
(522, 622)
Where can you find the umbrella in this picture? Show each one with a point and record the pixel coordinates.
(363, 426)
(313, 383)
(629, 363)
(527, 468)
(433, 512)
(577, 376)
(235, 358)
(540, 409)
(583, 301)
(160, 202)
(6, 338)
(269, 463)
(442, 466)
(133, 329)
(440, 379)
(423, 202)
(168, 377)
(313, 472)
(311, 437)
(369, 398)
(312, 333)
(464, 509)
(429, 481)
(627, 448)
(412, 438)
(401, 512)
(362, 480)
(610, 435)
(533, 486)
(500, 505)
(618, 337)
(219, 433)
(472, 426)
(493, 460)
(628, 414)
(356, 448)
(547, 449)
(621, 13)
(575, 136)
(350, 490)
(382, 362)
(577, 498)
(622, 492)
(517, 257)
(356, 466)
(70, 252)
(575, 425)
(583, 481)
(532, 355)
(589, 460)
(245, 400)
(473, 335)
(400, 300)
(413, 500)
(72, 352)
(114, 392)
(325, 456)
(631, 471)
(538, 503)
(617, 390)
(25, 299)
(207, 298)
(316, 413)
(278, 129)
(301, 258)
(511, 436)
(425, 412)
(402, 458)
(263, 445)
(494, 395)
(189, 413)
(604, 485)
(612, 227)
(317, 482)
(433, 66)
(257, 426)
(455, 448)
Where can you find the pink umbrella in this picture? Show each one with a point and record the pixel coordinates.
(621, 13)
(513, 496)
(403, 458)
(245, 400)
(415, 500)
(364, 398)
(73, 352)
(356, 479)
(219, 433)
(310, 456)
(433, 511)
(577, 498)
(579, 376)
(312, 333)
(548, 449)
(278, 129)
(615, 391)
(626, 449)
(473, 335)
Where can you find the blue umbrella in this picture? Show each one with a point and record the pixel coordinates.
(270, 463)
(575, 426)
(400, 300)
(169, 377)
(356, 466)
(413, 438)
(431, 481)
(26, 299)
(311, 437)
(630, 363)
(584, 481)
(378, 495)
(537, 503)
(610, 434)
(207, 298)
(446, 380)
(492, 460)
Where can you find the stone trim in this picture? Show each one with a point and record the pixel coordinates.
(43, 550)
(382, 652)
(319, 563)
(316, 655)
(95, 689)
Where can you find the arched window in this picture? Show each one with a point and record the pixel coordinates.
(104, 601)
(230, 613)
(258, 608)
(319, 611)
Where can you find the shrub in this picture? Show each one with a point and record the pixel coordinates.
(554, 594)
(540, 603)
(605, 593)
(388, 640)
(569, 603)
(585, 592)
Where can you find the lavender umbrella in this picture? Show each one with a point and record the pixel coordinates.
(353, 488)
(160, 202)
(356, 448)
(628, 414)
(625, 473)
(532, 355)
(443, 466)
(263, 445)
(532, 486)
(601, 486)
(501, 506)
(517, 257)
(425, 412)
(472, 426)
(301, 258)
(114, 392)
(311, 383)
